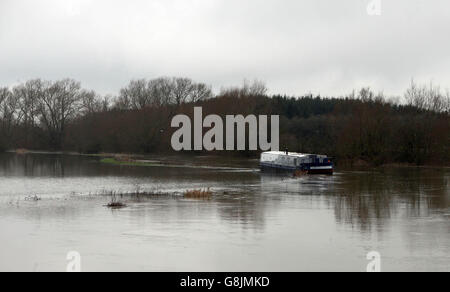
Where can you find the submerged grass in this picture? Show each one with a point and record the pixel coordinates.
(115, 161)
(118, 198)
(21, 151)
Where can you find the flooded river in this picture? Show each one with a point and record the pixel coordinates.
(253, 222)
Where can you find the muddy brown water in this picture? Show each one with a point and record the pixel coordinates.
(253, 222)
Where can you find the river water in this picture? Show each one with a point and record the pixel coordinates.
(253, 222)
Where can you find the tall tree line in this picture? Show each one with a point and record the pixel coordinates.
(362, 127)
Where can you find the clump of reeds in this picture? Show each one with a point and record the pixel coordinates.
(115, 203)
(198, 194)
(34, 198)
(123, 158)
(136, 195)
(21, 151)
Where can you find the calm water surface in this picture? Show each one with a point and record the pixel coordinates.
(254, 222)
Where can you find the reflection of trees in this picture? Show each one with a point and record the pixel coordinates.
(359, 204)
(53, 210)
(365, 200)
(247, 209)
(35, 165)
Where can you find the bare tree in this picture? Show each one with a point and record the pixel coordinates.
(9, 113)
(91, 102)
(182, 90)
(121, 102)
(434, 98)
(366, 94)
(200, 92)
(59, 103)
(257, 88)
(27, 95)
(7, 107)
(447, 101)
(161, 91)
(135, 95)
(425, 97)
(106, 103)
(4, 93)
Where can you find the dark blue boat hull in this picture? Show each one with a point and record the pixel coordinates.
(307, 168)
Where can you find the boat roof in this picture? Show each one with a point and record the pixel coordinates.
(294, 154)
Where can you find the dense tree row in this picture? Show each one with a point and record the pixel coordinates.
(362, 127)
(140, 94)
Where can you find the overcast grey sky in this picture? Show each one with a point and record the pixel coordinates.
(295, 46)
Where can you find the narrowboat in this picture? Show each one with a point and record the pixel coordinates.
(296, 163)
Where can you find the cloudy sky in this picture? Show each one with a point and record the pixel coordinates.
(295, 46)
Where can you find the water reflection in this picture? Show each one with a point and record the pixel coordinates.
(308, 218)
(360, 199)
(370, 199)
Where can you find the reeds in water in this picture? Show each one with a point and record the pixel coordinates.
(21, 151)
(115, 203)
(198, 194)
